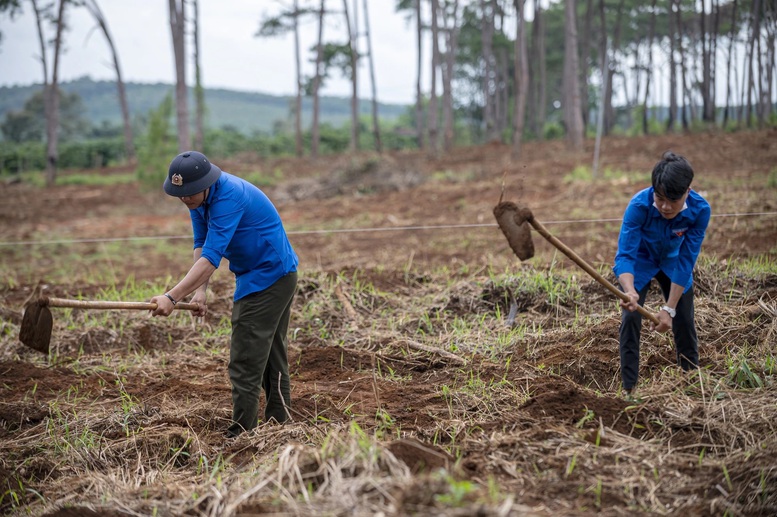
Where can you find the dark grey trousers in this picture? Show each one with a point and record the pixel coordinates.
(258, 355)
(683, 329)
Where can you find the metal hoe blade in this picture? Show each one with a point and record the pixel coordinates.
(37, 324)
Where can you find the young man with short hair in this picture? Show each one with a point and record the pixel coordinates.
(660, 237)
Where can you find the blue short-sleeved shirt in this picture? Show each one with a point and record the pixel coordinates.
(239, 222)
(650, 243)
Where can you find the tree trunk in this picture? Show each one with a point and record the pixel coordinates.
(762, 101)
(199, 90)
(651, 40)
(587, 44)
(52, 118)
(686, 95)
(433, 130)
(42, 43)
(298, 73)
(352, 30)
(771, 57)
(732, 36)
(633, 102)
(714, 42)
(604, 66)
(504, 82)
(537, 74)
(375, 120)
(671, 34)
(451, 25)
(543, 79)
(315, 132)
(419, 98)
(600, 119)
(605, 72)
(571, 87)
(44, 63)
(521, 77)
(754, 25)
(707, 82)
(609, 111)
(177, 30)
(489, 68)
(129, 145)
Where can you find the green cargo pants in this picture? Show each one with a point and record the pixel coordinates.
(258, 355)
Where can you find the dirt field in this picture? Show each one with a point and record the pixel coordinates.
(412, 393)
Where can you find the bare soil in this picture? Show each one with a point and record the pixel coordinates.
(541, 418)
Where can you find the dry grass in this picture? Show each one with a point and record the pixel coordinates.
(431, 373)
(501, 419)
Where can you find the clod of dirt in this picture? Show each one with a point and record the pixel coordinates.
(419, 456)
(20, 415)
(512, 220)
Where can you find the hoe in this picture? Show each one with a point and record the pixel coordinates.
(37, 322)
(512, 219)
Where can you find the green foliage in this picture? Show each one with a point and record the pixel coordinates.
(158, 147)
(333, 140)
(96, 179)
(655, 126)
(584, 174)
(92, 153)
(338, 56)
(31, 156)
(457, 492)
(758, 267)
(29, 124)
(18, 158)
(553, 131)
(226, 141)
(771, 181)
(741, 375)
(23, 126)
(264, 180)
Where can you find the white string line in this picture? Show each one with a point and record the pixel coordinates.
(347, 230)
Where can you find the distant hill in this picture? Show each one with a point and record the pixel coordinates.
(245, 111)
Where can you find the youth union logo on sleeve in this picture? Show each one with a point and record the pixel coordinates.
(680, 231)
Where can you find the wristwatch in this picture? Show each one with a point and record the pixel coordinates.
(670, 311)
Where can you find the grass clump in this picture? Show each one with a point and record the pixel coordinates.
(584, 174)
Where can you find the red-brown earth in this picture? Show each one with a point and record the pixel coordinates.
(395, 251)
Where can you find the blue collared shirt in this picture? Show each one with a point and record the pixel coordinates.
(239, 222)
(650, 243)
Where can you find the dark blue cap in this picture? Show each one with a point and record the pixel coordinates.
(190, 173)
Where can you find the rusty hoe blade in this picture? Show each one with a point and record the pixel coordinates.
(515, 221)
(37, 324)
(512, 220)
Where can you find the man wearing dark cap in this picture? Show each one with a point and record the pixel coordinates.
(233, 219)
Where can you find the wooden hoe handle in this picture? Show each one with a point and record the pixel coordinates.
(85, 304)
(590, 270)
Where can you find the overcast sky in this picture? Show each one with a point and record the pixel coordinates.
(231, 56)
